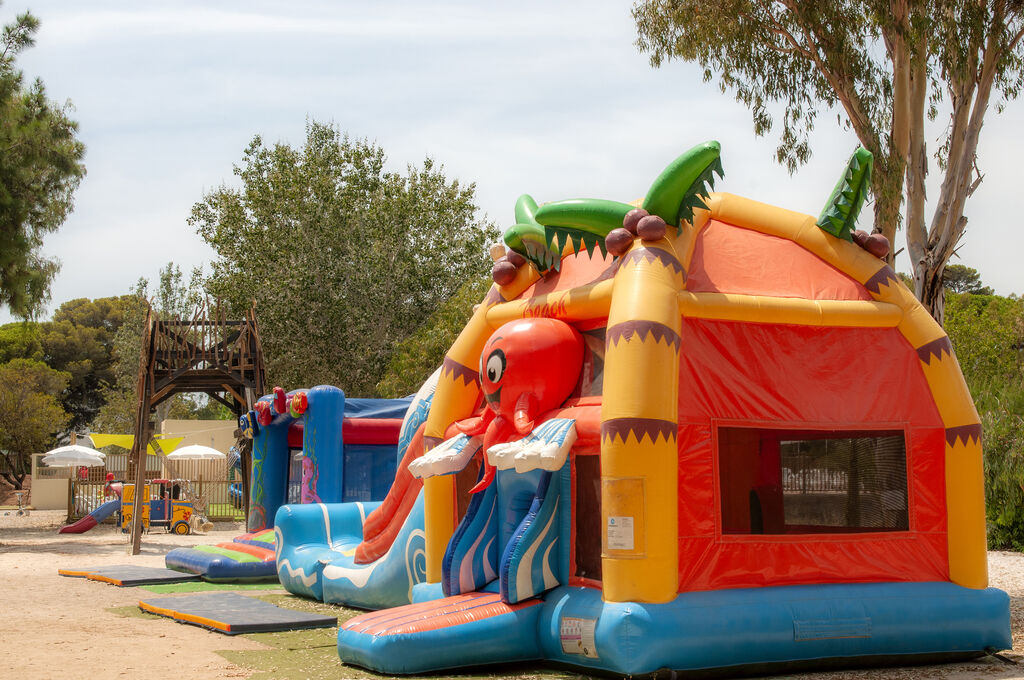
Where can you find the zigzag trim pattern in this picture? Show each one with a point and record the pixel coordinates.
(644, 254)
(935, 348)
(881, 278)
(627, 329)
(640, 427)
(966, 433)
(457, 370)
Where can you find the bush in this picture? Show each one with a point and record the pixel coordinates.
(987, 332)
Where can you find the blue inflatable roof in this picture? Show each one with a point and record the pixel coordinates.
(376, 408)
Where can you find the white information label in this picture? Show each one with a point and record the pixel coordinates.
(620, 533)
(578, 636)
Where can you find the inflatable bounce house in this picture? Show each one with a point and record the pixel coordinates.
(309, 446)
(694, 433)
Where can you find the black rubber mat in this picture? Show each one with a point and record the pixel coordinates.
(129, 575)
(231, 613)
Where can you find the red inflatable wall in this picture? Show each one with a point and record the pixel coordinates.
(860, 380)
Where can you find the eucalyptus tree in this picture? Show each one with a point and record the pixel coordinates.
(887, 66)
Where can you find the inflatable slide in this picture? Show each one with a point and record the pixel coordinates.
(363, 554)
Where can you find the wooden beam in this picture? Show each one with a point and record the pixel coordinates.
(142, 431)
(231, 390)
(220, 400)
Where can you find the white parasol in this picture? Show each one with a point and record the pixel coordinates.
(196, 452)
(74, 455)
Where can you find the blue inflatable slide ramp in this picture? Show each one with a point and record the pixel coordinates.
(471, 629)
(232, 614)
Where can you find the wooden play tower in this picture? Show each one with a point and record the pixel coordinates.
(207, 354)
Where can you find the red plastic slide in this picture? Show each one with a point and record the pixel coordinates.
(92, 519)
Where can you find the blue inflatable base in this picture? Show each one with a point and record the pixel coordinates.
(777, 628)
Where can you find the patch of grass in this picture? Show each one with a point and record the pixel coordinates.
(313, 654)
(202, 586)
(224, 511)
(302, 604)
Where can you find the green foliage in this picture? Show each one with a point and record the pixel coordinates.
(20, 341)
(40, 168)
(685, 183)
(958, 278)
(907, 280)
(1004, 475)
(30, 413)
(79, 340)
(343, 258)
(839, 217)
(418, 355)
(987, 333)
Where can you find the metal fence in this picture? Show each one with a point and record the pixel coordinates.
(808, 479)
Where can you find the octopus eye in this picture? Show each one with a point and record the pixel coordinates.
(495, 366)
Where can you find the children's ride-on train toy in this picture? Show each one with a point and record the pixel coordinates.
(162, 506)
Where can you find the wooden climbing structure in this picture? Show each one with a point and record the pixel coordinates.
(208, 354)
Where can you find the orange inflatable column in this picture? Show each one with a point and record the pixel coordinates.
(639, 427)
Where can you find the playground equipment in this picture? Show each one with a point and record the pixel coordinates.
(316, 446)
(365, 554)
(95, 517)
(165, 504)
(309, 446)
(730, 482)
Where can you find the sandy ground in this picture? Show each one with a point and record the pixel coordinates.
(58, 627)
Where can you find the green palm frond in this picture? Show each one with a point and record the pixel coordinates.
(839, 216)
(685, 183)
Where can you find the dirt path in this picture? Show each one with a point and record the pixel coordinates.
(58, 627)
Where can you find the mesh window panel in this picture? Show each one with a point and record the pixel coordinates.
(805, 481)
(850, 483)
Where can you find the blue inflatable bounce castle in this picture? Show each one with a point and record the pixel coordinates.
(309, 446)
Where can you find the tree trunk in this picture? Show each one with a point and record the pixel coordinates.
(929, 288)
(887, 188)
(16, 471)
(14, 480)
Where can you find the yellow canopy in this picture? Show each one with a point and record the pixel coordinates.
(127, 440)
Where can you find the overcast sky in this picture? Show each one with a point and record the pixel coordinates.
(550, 99)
